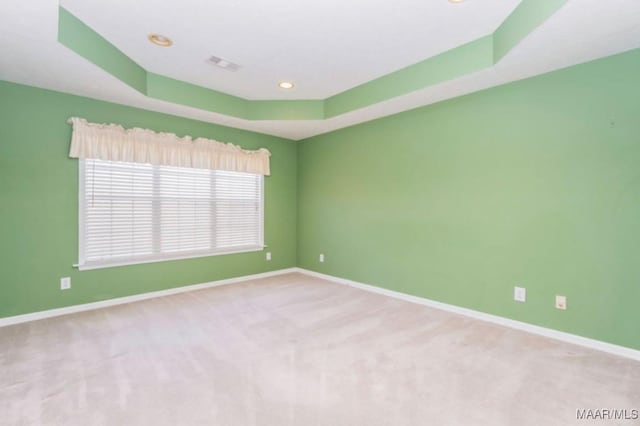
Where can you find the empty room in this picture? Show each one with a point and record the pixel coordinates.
(329, 213)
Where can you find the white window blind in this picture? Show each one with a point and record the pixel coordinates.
(135, 213)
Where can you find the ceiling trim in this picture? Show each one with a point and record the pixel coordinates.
(468, 58)
(77, 36)
(453, 63)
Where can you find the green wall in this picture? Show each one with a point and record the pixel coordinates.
(39, 205)
(534, 183)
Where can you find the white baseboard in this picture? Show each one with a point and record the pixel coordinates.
(530, 328)
(134, 298)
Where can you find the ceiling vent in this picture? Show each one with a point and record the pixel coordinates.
(223, 63)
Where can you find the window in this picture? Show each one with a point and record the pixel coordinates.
(135, 212)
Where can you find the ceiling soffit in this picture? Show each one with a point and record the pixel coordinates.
(462, 60)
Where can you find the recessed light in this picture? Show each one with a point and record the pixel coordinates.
(160, 40)
(285, 85)
(456, 1)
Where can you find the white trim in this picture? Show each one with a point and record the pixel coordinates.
(518, 325)
(136, 297)
(261, 224)
(82, 231)
(157, 254)
(190, 255)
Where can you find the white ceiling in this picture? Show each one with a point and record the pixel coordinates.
(324, 46)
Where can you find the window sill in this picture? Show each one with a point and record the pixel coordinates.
(184, 256)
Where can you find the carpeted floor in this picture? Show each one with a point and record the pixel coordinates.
(295, 350)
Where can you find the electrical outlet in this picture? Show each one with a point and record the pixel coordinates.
(268, 255)
(561, 302)
(520, 294)
(65, 283)
(321, 258)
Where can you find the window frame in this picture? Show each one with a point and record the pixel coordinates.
(82, 264)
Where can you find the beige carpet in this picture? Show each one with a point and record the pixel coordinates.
(294, 350)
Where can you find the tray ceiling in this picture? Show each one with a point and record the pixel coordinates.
(350, 62)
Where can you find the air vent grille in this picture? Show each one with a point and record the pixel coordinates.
(223, 63)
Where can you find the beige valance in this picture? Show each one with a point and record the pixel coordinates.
(115, 143)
